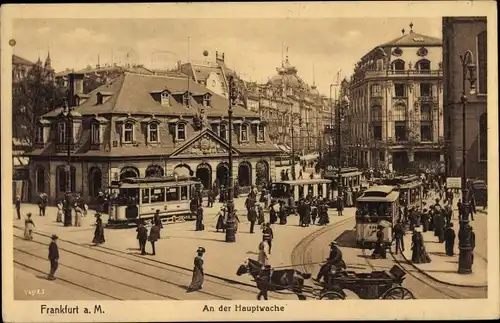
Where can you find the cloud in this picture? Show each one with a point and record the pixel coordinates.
(43, 30)
(84, 35)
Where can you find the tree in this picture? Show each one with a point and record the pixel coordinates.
(31, 98)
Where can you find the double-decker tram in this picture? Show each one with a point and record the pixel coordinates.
(411, 193)
(379, 205)
(137, 199)
(291, 191)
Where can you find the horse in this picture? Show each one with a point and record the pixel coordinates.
(283, 279)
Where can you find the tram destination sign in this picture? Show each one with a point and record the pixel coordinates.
(453, 182)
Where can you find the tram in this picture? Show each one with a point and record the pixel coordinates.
(351, 177)
(137, 199)
(410, 190)
(291, 191)
(378, 205)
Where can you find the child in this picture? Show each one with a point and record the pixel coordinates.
(28, 227)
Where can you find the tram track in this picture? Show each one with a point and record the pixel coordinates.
(210, 279)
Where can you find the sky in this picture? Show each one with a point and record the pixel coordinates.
(252, 47)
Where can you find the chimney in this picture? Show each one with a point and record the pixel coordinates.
(75, 87)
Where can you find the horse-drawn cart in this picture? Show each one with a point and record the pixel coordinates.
(374, 285)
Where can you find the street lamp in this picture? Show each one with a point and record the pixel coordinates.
(464, 236)
(67, 207)
(231, 221)
(340, 116)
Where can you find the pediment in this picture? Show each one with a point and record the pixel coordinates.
(206, 144)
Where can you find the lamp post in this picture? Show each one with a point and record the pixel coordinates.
(231, 221)
(464, 236)
(67, 207)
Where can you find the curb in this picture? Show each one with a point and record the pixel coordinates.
(423, 272)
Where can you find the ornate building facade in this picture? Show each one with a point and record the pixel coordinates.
(143, 125)
(459, 35)
(396, 99)
(286, 101)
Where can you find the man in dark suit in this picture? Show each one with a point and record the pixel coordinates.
(252, 217)
(53, 257)
(18, 207)
(142, 236)
(399, 233)
(157, 222)
(154, 235)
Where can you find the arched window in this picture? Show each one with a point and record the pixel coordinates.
(180, 131)
(483, 137)
(61, 132)
(207, 100)
(399, 112)
(128, 132)
(482, 68)
(153, 133)
(398, 66)
(423, 66)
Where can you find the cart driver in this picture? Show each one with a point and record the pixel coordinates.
(333, 260)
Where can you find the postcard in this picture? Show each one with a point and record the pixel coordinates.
(249, 161)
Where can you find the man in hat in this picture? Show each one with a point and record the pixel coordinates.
(157, 221)
(252, 216)
(334, 259)
(198, 272)
(263, 282)
(449, 240)
(142, 236)
(399, 234)
(379, 251)
(53, 257)
(267, 235)
(154, 235)
(18, 207)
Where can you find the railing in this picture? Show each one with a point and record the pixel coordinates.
(395, 73)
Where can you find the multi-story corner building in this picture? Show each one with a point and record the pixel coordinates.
(286, 101)
(461, 34)
(142, 125)
(396, 100)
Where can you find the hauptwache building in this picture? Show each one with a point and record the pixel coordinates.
(147, 125)
(396, 98)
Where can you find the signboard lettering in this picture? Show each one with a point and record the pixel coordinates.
(453, 182)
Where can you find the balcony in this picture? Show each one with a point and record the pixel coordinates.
(396, 74)
(63, 147)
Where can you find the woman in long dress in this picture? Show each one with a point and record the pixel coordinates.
(221, 220)
(419, 254)
(99, 231)
(29, 226)
(198, 273)
(263, 258)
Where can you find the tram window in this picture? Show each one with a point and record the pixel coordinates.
(184, 193)
(145, 195)
(173, 194)
(158, 195)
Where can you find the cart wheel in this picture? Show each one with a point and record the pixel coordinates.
(398, 293)
(331, 296)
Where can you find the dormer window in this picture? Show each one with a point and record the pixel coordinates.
(61, 132)
(99, 98)
(39, 137)
(153, 134)
(244, 132)
(207, 100)
(223, 131)
(95, 134)
(164, 98)
(128, 132)
(185, 100)
(180, 131)
(260, 132)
